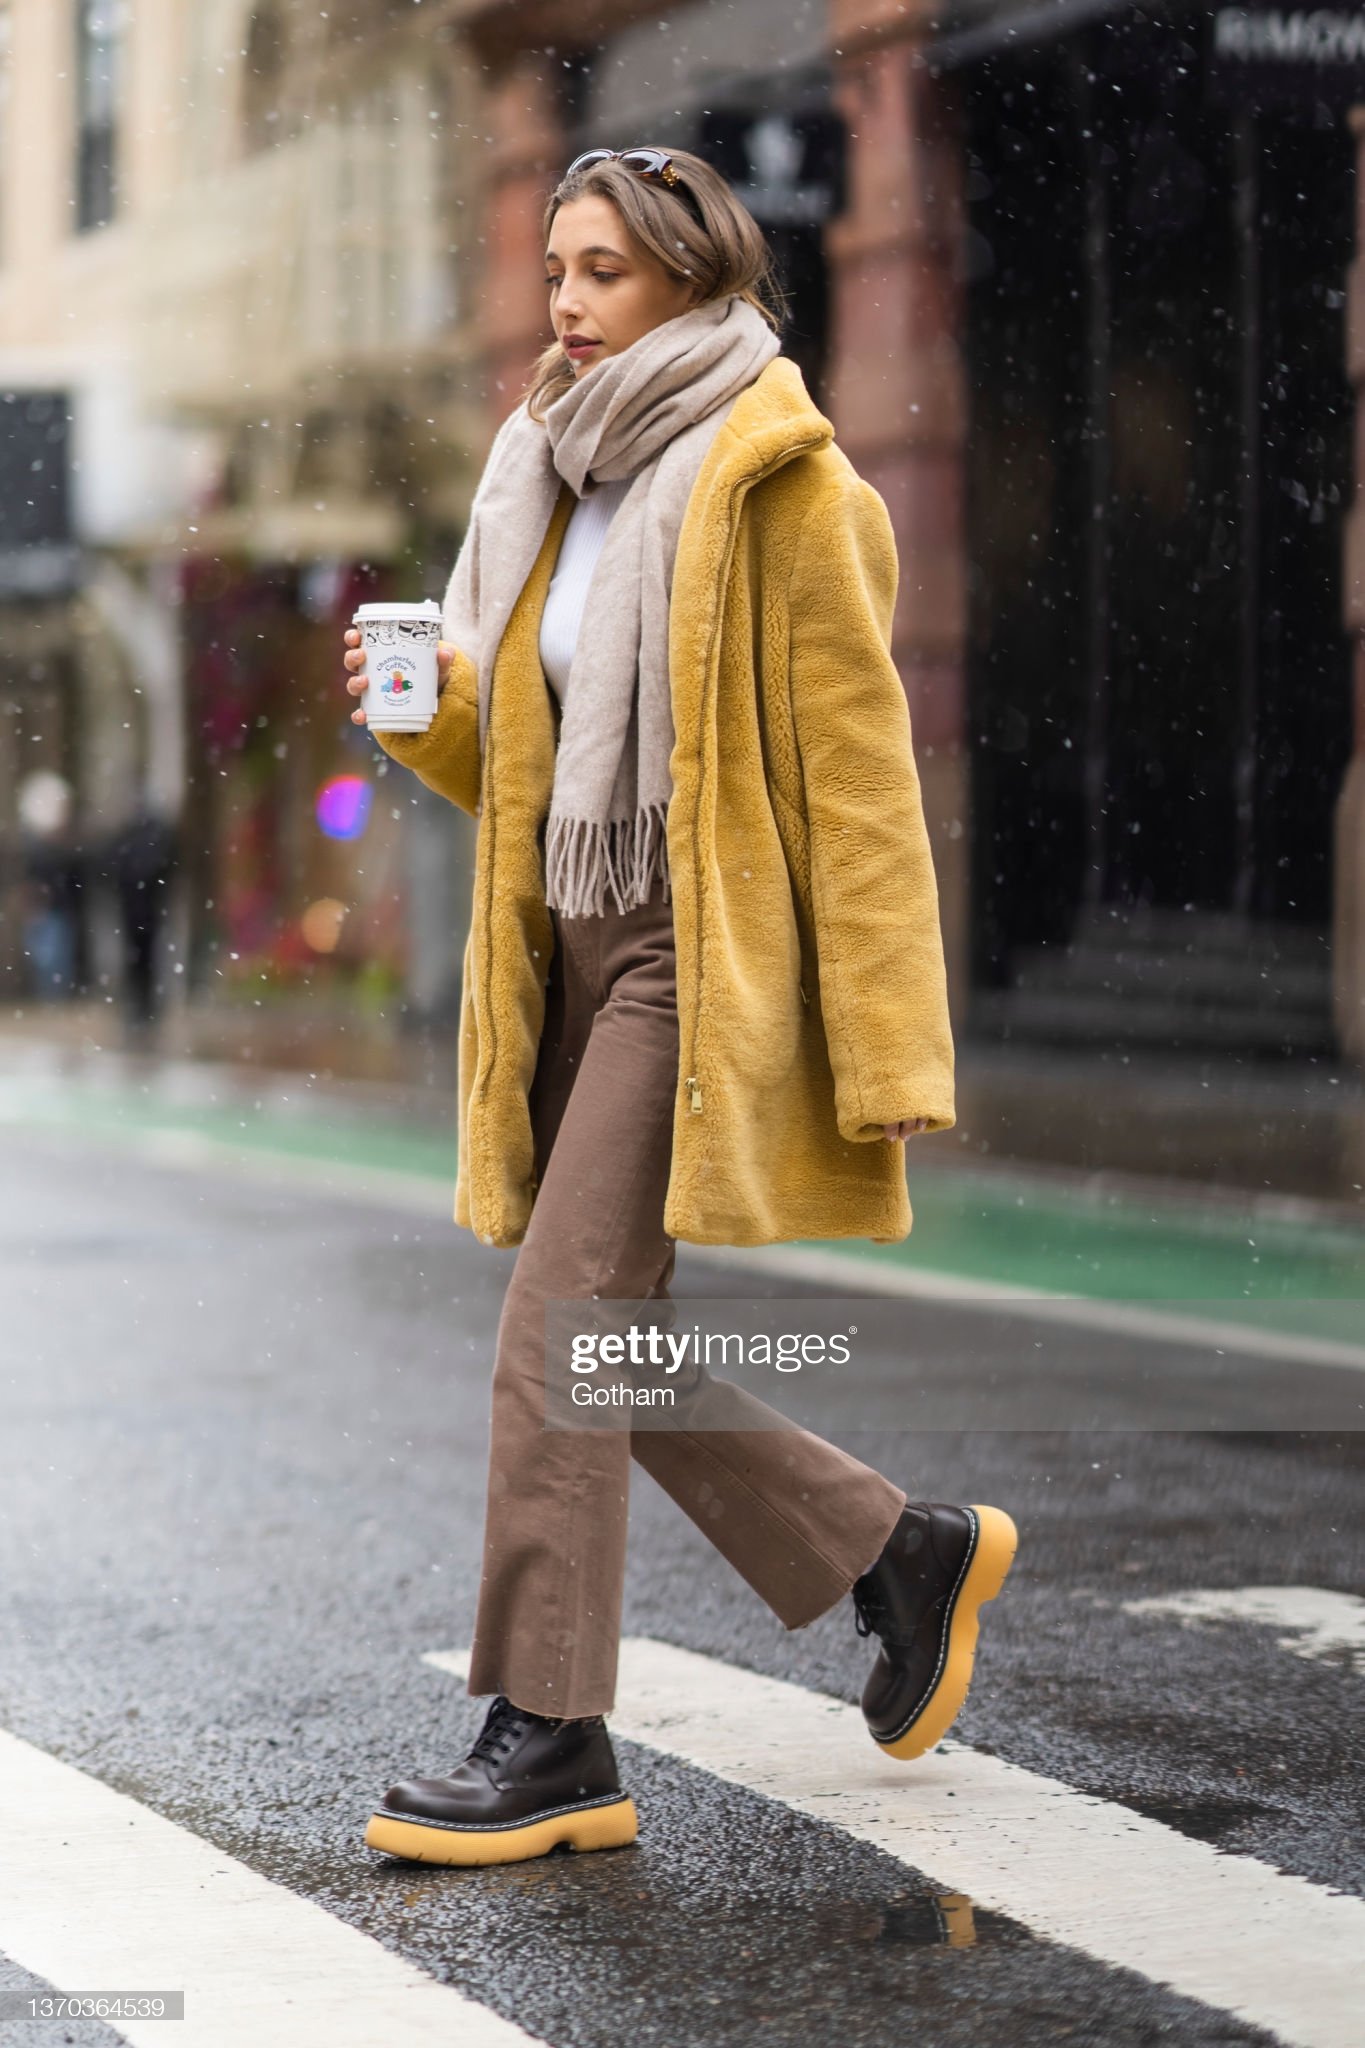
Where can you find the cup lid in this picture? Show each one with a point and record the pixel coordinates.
(426, 609)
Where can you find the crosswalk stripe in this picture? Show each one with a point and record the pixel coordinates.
(1275, 1950)
(1319, 1624)
(97, 1893)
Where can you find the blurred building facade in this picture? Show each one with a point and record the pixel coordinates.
(1077, 285)
(230, 312)
(1078, 297)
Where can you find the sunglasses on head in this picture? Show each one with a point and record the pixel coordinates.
(646, 163)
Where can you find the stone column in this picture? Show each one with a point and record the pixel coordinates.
(897, 389)
(1348, 893)
(526, 157)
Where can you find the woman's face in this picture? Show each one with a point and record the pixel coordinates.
(604, 286)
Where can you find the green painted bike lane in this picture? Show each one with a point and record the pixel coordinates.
(1001, 1227)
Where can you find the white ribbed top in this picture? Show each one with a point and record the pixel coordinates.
(578, 552)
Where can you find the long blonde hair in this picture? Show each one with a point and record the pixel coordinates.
(709, 236)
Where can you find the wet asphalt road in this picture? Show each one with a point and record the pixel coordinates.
(244, 1431)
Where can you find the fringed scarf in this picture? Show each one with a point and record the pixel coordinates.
(648, 413)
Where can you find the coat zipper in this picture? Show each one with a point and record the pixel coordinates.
(798, 448)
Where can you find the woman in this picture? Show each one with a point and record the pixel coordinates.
(704, 987)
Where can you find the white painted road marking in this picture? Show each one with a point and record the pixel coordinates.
(1151, 1322)
(1277, 1951)
(1321, 1625)
(429, 1197)
(97, 1893)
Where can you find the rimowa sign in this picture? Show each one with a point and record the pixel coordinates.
(1263, 55)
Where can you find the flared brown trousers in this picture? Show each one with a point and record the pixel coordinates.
(798, 1518)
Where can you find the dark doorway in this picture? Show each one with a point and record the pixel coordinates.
(1159, 466)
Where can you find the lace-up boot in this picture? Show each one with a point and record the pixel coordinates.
(528, 1784)
(940, 1565)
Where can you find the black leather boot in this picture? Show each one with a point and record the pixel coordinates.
(528, 1783)
(940, 1565)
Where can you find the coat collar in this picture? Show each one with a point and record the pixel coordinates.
(773, 418)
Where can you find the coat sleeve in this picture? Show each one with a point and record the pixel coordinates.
(446, 755)
(875, 899)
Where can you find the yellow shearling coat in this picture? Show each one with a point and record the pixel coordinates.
(812, 1005)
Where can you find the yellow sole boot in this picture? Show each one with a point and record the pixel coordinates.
(923, 1598)
(591, 1827)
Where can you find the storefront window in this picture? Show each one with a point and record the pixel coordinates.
(1159, 464)
(101, 28)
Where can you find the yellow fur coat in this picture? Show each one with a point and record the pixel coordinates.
(812, 1006)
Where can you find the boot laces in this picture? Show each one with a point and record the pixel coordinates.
(504, 1727)
(870, 1616)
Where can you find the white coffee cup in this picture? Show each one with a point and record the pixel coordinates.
(400, 642)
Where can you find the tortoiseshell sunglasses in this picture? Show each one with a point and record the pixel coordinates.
(646, 163)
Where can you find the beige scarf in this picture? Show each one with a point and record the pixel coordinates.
(648, 413)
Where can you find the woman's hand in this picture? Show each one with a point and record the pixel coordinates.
(356, 681)
(906, 1128)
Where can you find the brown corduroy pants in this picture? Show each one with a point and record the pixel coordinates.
(798, 1518)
